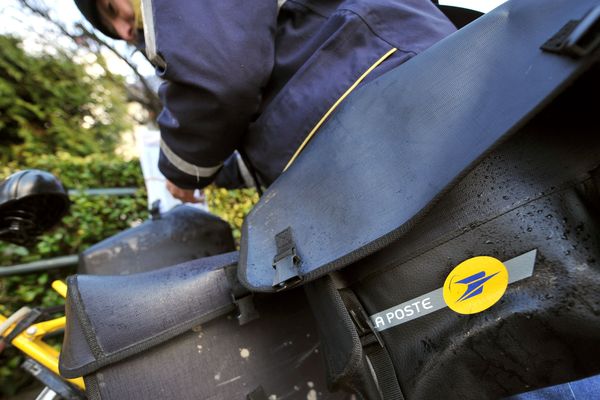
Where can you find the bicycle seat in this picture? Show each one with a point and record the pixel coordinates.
(31, 202)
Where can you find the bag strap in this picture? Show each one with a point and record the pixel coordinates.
(241, 297)
(355, 356)
(373, 347)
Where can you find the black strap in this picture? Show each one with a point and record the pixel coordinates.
(374, 348)
(242, 297)
(52, 381)
(384, 371)
(257, 394)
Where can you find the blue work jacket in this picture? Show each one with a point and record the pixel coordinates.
(259, 76)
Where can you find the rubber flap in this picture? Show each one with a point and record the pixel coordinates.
(400, 141)
(112, 317)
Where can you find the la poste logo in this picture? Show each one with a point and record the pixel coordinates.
(475, 285)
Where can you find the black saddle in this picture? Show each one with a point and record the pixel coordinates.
(31, 202)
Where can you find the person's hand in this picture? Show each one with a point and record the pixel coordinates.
(185, 195)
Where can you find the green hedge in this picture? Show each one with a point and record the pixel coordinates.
(231, 205)
(93, 171)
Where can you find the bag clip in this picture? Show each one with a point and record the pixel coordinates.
(241, 297)
(246, 309)
(577, 38)
(286, 261)
(366, 331)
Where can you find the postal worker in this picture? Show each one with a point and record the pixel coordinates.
(259, 76)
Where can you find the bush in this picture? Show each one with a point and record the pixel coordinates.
(50, 103)
(231, 205)
(92, 171)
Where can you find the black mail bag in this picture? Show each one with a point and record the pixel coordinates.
(485, 145)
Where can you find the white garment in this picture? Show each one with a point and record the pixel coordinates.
(149, 149)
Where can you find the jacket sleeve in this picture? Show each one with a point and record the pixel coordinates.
(215, 57)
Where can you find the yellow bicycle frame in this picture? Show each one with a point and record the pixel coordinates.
(31, 342)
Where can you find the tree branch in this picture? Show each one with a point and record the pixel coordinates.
(151, 101)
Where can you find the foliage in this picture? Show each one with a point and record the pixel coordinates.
(93, 171)
(89, 40)
(90, 219)
(231, 205)
(49, 103)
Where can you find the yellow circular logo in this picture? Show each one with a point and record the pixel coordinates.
(475, 285)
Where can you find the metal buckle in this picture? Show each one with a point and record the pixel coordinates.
(365, 333)
(246, 309)
(286, 270)
(577, 38)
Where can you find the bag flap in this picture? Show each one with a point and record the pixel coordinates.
(110, 318)
(403, 139)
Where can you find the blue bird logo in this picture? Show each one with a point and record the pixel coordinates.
(474, 284)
